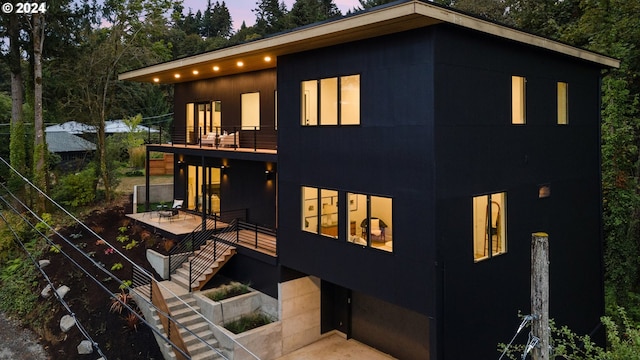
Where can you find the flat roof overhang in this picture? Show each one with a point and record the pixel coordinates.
(374, 23)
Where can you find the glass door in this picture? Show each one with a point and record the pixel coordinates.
(203, 188)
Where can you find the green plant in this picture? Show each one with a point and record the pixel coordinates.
(123, 229)
(43, 226)
(623, 339)
(76, 189)
(131, 245)
(248, 322)
(227, 291)
(76, 236)
(116, 266)
(122, 238)
(55, 248)
(125, 284)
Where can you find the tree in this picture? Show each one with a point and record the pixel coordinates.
(368, 4)
(271, 17)
(306, 12)
(40, 146)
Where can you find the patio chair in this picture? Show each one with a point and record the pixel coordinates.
(171, 213)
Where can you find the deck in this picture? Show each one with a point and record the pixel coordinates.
(185, 223)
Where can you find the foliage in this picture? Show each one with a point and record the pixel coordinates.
(623, 342)
(131, 245)
(119, 302)
(44, 225)
(76, 189)
(16, 275)
(55, 248)
(116, 266)
(122, 238)
(125, 284)
(227, 291)
(248, 322)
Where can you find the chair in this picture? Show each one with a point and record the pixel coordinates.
(169, 214)
(376, 231)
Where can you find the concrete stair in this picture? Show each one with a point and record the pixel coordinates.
(194, 330)
(204, 258)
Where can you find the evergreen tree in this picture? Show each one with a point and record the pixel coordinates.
(221, 19)
(306, 12)
(271, 17)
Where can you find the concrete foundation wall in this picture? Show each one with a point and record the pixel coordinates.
(299, 312)
(157, 193)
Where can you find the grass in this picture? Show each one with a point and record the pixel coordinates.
(248, 322)
(227, 291)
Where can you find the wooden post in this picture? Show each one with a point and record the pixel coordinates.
(540, 294)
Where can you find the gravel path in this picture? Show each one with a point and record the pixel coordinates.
(18, 343)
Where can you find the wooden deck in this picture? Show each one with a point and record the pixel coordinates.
(184, 223)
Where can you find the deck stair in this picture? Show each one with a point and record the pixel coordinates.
(200, 267)
(195, 332)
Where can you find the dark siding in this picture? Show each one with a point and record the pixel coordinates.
(479, 151)
(389, 154)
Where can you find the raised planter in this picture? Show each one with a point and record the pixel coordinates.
(264, 341)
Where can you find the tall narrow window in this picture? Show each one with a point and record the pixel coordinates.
(329, 101)
(309, 106)
(217, 116)
(370, 221)
(518, 100)
(563, 103)
(250, 111)
(310, 209)
(350, 100)
(191, 132)
(329, 214)
(489, 226)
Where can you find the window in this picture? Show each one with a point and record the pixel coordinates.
(310, 209)
(202, 118)
(370, 221)
(327, 202)
(518, 100)
(489, 226)
(250, 111)
(331, 101)
(563, 103)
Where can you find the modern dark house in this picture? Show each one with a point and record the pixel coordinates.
(403, 156)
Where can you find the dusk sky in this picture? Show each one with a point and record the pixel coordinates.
(241, 9)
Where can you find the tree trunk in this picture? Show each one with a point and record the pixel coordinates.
(40, 146)
(17, 142)
(540, 295)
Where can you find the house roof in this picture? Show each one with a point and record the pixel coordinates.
(110, 127)
(62, 141)
(395, 17)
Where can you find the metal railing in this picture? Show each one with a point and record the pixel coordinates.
(227, 137)
(192, 242)
(209, 254)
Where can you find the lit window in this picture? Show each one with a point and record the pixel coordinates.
(334, 101)
(518, 103)
(250, 111)
(370, 221)
(310, 209)
(329, 214)
(563, 103)
(489, 226)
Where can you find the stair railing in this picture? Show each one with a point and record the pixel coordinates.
(192, 242)
(211, 252)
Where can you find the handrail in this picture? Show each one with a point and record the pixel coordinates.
(255, 138)
(191, 242)
(203, 261)
(168, 323)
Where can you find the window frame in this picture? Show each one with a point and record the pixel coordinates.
(313, 104)
(481, 226)
(562, 101)
(518, 100)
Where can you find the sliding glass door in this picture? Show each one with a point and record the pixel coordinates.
(203, 189)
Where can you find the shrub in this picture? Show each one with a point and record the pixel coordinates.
(248, 322)
(116, 266)
(125, 284)
(131, 245)
(56, 248)
(76, 189)
(228, 291)
(119, 301)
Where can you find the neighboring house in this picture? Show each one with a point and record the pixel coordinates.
(402, 154)
(110, 127)
(69, 147)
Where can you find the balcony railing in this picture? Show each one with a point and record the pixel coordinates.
(225, 137)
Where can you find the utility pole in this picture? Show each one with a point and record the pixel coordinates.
(540, 295)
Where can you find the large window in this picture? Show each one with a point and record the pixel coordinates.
(320, 211)
(518, 100)
(250, 111)
(330, 101)
(563, 103)
(489, 225)
(370, 221)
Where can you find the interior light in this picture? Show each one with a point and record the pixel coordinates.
(216, 68)
(267, 58)
(240, 64)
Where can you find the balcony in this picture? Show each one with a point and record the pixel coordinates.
(233, 139)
